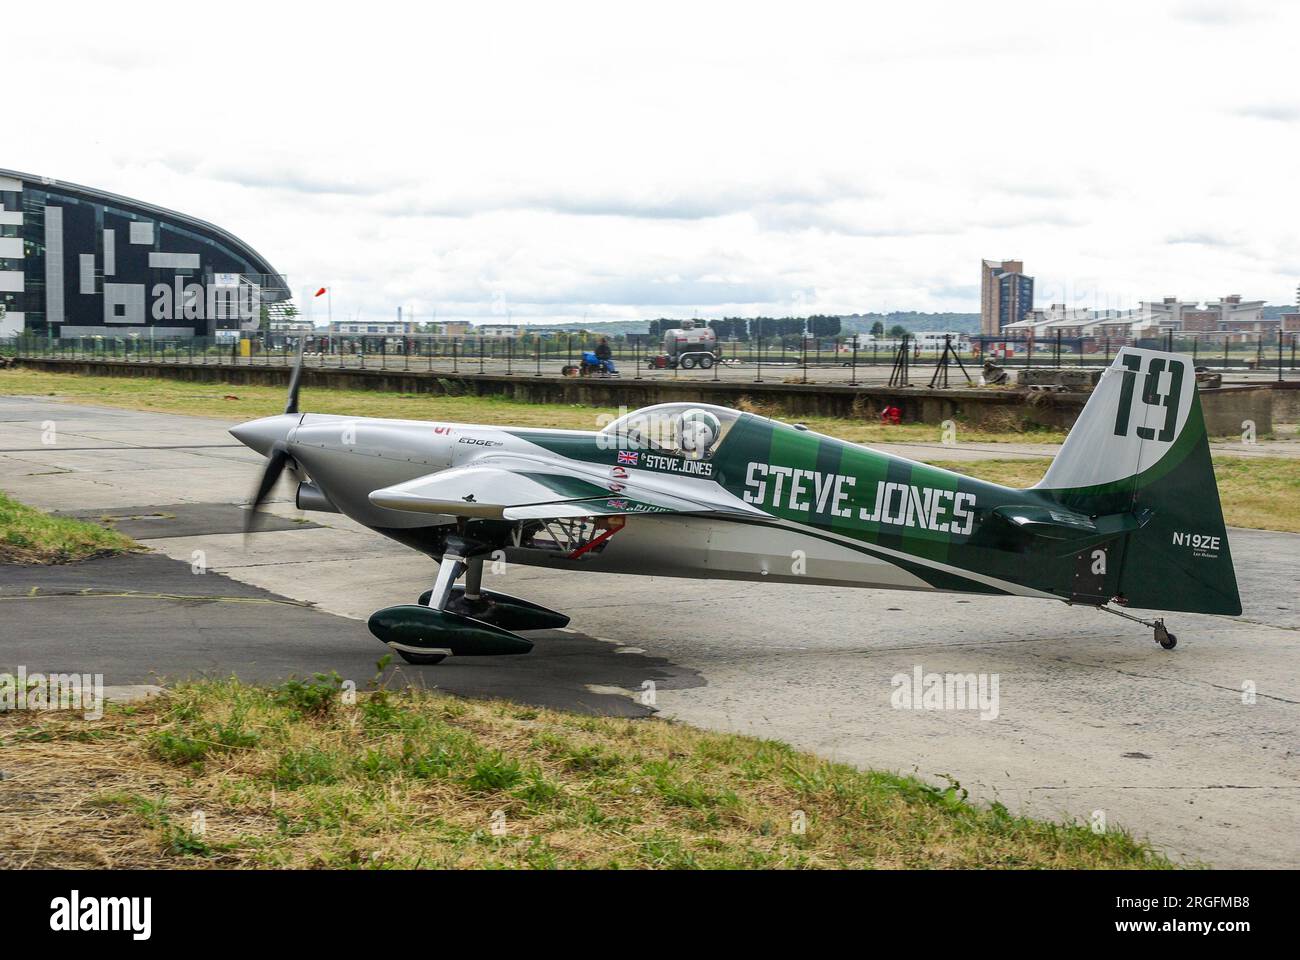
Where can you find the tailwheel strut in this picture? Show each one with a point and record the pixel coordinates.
(1162, 635)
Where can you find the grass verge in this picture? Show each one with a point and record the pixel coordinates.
(1258, 492)
(29, 536)
(244, 402)
(295, 777)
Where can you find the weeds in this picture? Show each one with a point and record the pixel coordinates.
(300, 776)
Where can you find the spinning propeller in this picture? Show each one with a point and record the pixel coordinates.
(278, 459)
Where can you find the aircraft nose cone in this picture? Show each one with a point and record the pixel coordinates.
(261, 435)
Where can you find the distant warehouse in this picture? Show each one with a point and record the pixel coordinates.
(77, 262)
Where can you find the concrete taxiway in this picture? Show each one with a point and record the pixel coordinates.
(1195, 748)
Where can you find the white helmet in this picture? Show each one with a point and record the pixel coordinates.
(697, 432)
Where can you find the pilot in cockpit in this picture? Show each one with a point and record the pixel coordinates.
(698, 432)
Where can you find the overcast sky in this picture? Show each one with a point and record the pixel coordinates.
(550, 161)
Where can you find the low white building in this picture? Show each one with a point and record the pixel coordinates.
(498, 330)
(1072, 322)
(371, 328)
(1151, 318)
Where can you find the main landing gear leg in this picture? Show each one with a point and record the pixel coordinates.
(466, 621)
(452, 565)
(473, 578)
(1162, 636)
(448, 571)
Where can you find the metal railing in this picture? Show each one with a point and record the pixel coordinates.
(844, 360)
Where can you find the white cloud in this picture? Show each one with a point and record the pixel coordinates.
(1280, 111)
(555, 161)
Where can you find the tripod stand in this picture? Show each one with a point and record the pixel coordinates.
(902, 359)
(941, 369)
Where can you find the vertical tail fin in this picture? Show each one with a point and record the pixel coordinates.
(1140, 448)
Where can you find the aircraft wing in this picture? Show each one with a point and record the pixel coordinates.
(520, 489)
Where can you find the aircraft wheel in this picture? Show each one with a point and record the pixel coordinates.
(422, 659)
(1164, 637)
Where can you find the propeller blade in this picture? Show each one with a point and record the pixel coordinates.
(295, 379)
(275, 464)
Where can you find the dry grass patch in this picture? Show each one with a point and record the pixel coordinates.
(296, 777)
(1018, 473)
(1262, 493)
(245, 402)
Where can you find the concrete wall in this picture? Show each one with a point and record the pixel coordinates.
(1225, 409)
(1286, 402)
(999, 408)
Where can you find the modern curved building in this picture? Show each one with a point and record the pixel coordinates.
(78, 262)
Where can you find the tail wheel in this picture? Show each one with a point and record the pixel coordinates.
(1164, 637)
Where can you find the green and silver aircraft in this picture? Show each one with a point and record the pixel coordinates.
(1127, 515)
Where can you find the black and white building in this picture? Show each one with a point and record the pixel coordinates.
(78, 262)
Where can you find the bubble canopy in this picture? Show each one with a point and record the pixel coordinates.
(691, 430)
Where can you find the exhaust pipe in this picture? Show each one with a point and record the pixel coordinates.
(310, 497)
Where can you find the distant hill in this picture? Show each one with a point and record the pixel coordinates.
(850, 324)
(914, 322)
(611, 328)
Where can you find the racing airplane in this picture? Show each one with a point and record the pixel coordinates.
(1127, 514)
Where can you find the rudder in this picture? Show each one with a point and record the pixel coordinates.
(1140, 447)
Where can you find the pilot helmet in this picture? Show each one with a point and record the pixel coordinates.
(697, 431)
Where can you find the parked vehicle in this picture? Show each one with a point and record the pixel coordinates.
(688, 347)
(590, 366)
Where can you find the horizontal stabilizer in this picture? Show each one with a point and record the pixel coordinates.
(1057, 523)
(1047, 522)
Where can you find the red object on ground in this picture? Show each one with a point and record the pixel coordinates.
(891, 415)
(319, 292)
